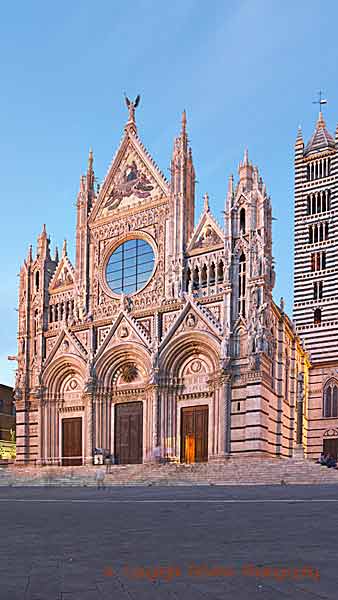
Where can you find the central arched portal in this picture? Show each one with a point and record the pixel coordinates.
(128, 433)
(194, 433)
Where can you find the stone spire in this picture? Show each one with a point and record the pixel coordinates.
(90, 171)
(43, 244)
(64, 248)
(321, 138)
(184, 123)
(245, 171)
(320, 121)
(299, 138)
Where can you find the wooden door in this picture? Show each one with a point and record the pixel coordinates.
(129, 433)
(330, 446)
(72, 441)
(194, 434)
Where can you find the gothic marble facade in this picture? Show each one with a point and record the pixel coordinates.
(162, 339)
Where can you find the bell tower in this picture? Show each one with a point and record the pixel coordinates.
(316, 247)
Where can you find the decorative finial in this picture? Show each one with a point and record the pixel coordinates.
(64, 248)
(206, 202)
(56, 254)
(320, 122)
(131, 108)
(30, 253)
(282, 304)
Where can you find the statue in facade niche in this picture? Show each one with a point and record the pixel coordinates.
(154, 363)
(90, 373)
(125, 303)
(225, 347)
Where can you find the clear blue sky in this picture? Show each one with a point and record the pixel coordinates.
(245, 71)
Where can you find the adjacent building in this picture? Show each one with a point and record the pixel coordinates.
(7, 413)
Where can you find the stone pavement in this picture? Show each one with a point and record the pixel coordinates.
(266, 542)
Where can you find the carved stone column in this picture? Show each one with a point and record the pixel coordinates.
(88, 402)
(227, 397)
(298, 451)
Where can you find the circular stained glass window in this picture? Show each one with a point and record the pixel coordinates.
(130, 266)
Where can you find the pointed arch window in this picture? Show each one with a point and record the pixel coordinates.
(196, 279)
(242, 220)
(37, 281)
(317, 316)
(330, 399)
(220, 272)
(188, 279)
(204, 276)
(241, 284)
(212, 275)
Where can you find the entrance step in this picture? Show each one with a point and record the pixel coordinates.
(233, 471)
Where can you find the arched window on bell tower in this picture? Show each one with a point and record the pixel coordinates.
(241, 285)
(317, 316)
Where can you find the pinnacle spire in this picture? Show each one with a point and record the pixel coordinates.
(90, 159)
(246, 158)
(64, 248)
(206, 202)
(56, 254)
(184, 122)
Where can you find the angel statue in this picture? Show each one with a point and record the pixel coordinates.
(131, 106)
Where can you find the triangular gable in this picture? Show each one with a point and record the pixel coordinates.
(66, 344)
(124, 329)
(241, 200)
(64, 275)
(207, 233)
(193, 317)
(133, 177)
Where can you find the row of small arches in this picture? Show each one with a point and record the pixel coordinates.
(318, 202)
(319, 232)
(201, 276)
(61, 311)
(318, 169)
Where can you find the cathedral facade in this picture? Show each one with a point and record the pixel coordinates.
(162, 340)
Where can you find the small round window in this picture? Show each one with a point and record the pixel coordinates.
(130, 266)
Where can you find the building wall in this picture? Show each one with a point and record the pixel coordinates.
(7, 412)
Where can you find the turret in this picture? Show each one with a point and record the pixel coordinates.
(85, 200)
(182, 198)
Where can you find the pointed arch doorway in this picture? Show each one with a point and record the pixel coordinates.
(128, 425)
(194, 434)
(71, 441)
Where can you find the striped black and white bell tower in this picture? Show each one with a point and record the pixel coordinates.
(316, 243)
